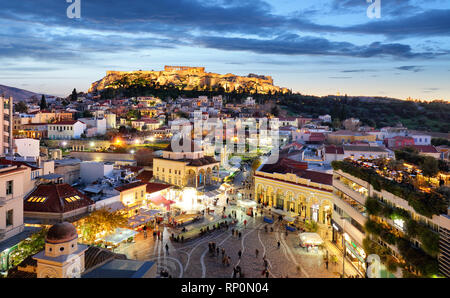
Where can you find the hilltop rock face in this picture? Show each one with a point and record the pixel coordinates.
(188, 78)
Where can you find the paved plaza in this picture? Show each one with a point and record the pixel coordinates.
(193, 258)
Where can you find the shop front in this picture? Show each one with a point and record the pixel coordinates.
(315, 212)
(353, 250)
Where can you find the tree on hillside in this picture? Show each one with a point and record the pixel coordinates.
(74, 95)
(21, 107)
(430, 166)
(43, 104)
(275, 111)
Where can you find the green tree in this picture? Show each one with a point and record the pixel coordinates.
(29, 247)
(74, 95)
(43, 104)
(429, 166)
(100, 223)
(275, 111)
(21, 107)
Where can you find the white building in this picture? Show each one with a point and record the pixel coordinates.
(66, 130)
(421, 139)
(92, 171)
(98, 123)
(110, 120)
(325, 118)
(249, 101)
(27, 147)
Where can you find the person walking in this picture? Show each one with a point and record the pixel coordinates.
(245, 223)
(167, 249)
(256, 252)
(239, 253)
(278, 243)
(240, 234)
(223, 252)
(145, 232)
(217, 250)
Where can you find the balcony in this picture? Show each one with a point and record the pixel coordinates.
(4, 200)
(348, 191)
(354, 212)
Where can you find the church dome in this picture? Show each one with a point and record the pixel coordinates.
(61, 232)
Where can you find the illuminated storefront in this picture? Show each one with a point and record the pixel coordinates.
(353, 251)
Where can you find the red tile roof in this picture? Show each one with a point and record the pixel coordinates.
(426, 148)
(334, 150)
(55, 199)
(4, 161)
(66, 122)
(155, 187)
(285, 165)
(316, 137)
(129, 186)
(145, 176)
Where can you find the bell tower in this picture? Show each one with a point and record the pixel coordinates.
(62, 257)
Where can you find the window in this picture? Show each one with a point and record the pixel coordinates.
(9, 217)
(9, 187)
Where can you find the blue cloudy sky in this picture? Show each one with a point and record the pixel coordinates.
(311, 46)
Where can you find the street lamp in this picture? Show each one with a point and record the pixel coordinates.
(343, 247)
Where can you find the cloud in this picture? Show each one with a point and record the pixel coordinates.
(357, 70)
(41, 29)
(413, 68)
(434, 22)
(292, 44)
(388, 7)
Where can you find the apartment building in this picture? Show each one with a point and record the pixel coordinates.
(388, 228)
(15, 183)
(6, 127)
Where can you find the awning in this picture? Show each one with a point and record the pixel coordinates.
(311, 238)
(247, 203)
(120, 235)
(212, 193)
(280, 212)
(160, 200)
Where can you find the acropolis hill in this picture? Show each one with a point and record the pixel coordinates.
(188, 78)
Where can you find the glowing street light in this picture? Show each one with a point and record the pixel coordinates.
(64, 144)
(92, 144)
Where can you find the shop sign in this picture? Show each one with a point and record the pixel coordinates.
(355, 253)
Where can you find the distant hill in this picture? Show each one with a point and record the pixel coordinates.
(17, 94)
